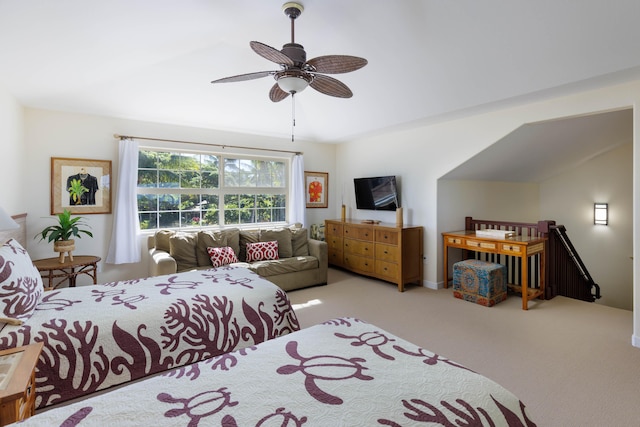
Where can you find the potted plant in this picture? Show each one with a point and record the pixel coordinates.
(61, 234)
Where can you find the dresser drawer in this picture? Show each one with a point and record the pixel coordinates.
(358, 247)
(334, 242)
(388, 270)
(387, 236)
(360, 233)
(358, 263)
(335, 257)
(387, 252)
(333, 229)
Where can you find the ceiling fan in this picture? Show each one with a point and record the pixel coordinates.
(296, 73)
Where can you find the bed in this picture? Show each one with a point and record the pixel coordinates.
(344, 372)
(98, 336)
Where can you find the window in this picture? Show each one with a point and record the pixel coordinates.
(182, 189)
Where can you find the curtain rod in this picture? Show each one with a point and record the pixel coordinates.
(203, 143)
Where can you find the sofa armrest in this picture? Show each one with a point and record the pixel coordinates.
(320, 250)
(161, 263)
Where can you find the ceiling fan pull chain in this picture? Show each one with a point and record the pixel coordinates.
(293, 114)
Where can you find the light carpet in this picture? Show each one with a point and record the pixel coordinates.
(571, 362)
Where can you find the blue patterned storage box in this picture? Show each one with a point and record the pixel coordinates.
(481, 282)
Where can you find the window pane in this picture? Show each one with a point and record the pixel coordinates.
(211, 210)
(148, 221)
(147, 178)
(168, 179)
(190, 179)
(168, 202)
(147, 159)
(147, 202)
(169, 220)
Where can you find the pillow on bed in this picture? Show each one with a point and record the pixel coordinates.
(261, 251)
(222, 256)
(20, 283)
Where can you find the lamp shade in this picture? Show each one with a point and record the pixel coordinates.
(6, 222)
(291, 84)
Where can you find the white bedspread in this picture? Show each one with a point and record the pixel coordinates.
(103, 335)
(342, 373)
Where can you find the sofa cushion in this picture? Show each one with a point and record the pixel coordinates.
(208, 239)
(232, 235)
(163, 239)
(222, 256)
(259, 251)
(283, 266)
(283, 237)
(20, 283)
(183, 250)
(244, 238)
(299, 242)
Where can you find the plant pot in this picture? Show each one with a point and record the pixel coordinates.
(64, 247)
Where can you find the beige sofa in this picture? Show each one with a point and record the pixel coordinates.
(301, 262)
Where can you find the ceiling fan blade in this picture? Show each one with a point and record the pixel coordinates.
(270, 53)
(330, 86)
(336, 64)
(276, 94)
(243, 77)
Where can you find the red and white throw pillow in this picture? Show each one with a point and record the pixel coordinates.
(222, 256)
(261, 251)
(20, 283)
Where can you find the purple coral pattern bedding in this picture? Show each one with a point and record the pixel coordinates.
(99, 336)
(344, 372)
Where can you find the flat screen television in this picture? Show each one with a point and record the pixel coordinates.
(377, 193)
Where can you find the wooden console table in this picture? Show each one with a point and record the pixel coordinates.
(68, 270)
(18, 382)
(518, 246)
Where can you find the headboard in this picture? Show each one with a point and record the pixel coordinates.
(20, 234)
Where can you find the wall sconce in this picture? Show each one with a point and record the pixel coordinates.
(601, 213)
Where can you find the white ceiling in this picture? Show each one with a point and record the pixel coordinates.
(154, 60)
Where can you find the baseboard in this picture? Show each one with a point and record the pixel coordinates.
(635, 340)
(432, 285)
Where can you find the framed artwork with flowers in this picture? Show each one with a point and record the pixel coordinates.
(316, 188)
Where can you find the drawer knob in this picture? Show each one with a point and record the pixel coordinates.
(385, 252)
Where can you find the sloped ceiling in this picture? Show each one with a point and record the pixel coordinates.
(154, 60)
(538, 151)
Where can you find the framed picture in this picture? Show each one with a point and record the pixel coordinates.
(83, 186)
(316, 188)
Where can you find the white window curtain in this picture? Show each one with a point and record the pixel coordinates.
(298, 203)
(125, 245)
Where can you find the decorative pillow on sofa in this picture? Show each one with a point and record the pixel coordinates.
(162, 239)
(222, 256)
(261, 251)
(246, 237)
(20, 283)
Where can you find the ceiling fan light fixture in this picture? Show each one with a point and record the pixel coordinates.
(293, 84)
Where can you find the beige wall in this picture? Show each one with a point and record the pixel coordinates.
(606, 251)
(56, 134)
(12, 190)
(424, 153)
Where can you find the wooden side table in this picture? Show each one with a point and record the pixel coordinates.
(68, 270)
(18, 382)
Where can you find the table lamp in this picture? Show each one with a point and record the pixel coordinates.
(6, 222)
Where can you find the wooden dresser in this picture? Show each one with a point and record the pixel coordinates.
(383, 251)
